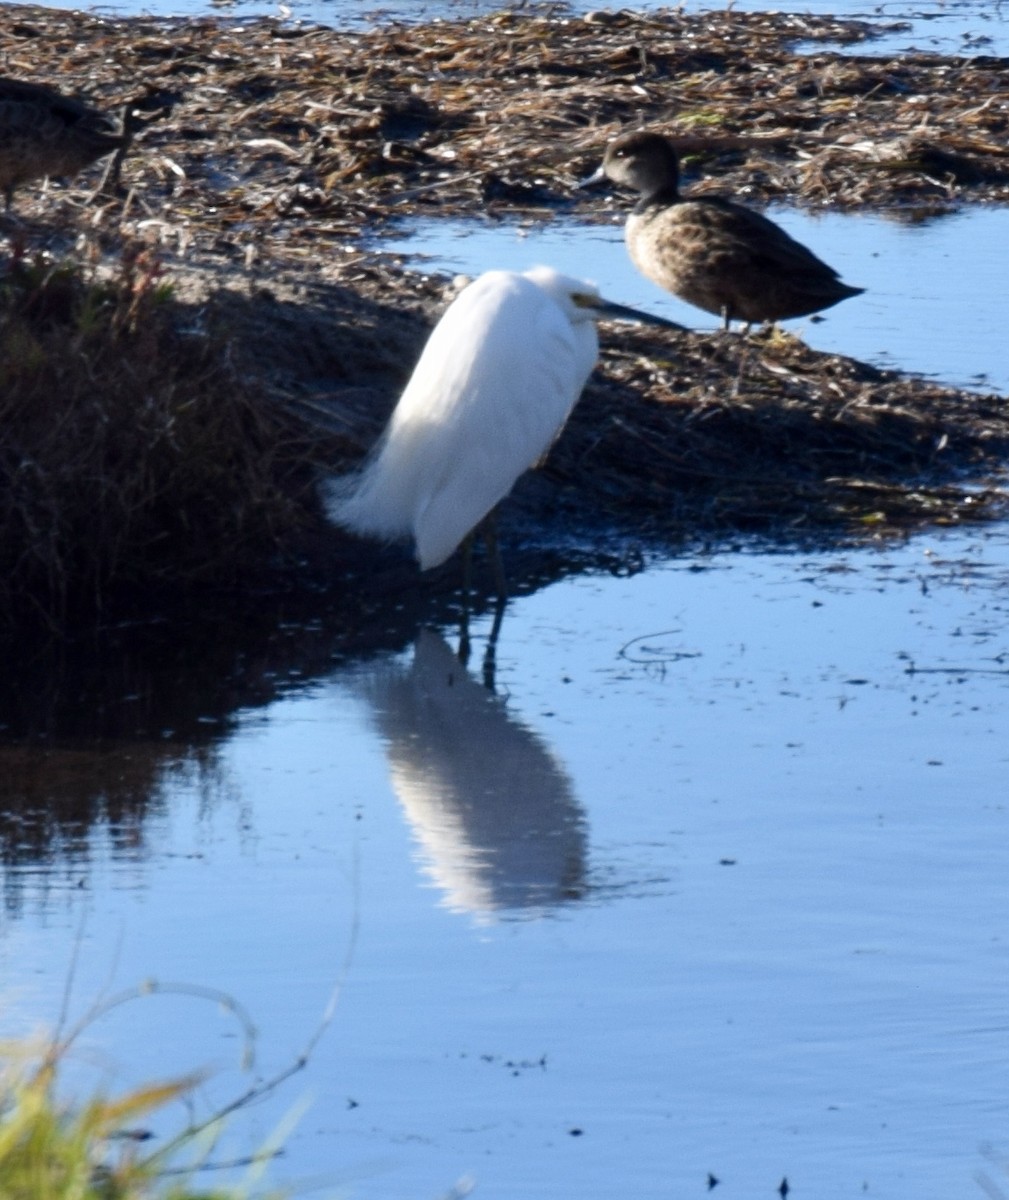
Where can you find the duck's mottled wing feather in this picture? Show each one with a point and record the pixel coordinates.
(760, 239)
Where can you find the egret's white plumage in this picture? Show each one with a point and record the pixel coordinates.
(492, 390)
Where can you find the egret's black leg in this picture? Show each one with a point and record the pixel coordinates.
(467, 589)
(490, 654)
(488, 531)
(488, 528)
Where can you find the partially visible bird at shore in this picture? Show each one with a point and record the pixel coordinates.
(46, 133)
(492, 390)
(710, 251)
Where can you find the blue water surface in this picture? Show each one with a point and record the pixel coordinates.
(716, 881)
(935, 301)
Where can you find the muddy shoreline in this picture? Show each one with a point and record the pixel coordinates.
(265, 192)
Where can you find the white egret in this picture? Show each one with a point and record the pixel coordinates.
(723, 257)
(492, 390)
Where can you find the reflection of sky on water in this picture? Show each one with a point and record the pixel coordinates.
(936, 300)
(790, 958)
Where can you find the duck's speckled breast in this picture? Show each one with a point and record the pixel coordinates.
(683, 249)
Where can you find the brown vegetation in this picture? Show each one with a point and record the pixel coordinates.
(131, 453)
(306, 135)
(157, 439)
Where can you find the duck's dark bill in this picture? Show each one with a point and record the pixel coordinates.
(597, 176)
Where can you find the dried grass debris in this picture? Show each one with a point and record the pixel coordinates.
(291, 147)
(300, 134)
(132, 457)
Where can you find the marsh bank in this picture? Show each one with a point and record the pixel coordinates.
(262, 198)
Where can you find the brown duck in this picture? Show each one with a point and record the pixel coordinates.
(723, 257)
(43, 133)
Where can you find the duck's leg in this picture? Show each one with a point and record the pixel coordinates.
(130, 122)
(159, 104)
(728, 317)
(742, 363)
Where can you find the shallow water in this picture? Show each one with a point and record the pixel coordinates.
(935, 302)
(936, 26)
(715, 881)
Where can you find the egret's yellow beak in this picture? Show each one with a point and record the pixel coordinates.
(621, 312)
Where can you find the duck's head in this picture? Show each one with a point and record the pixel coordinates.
(646, 162)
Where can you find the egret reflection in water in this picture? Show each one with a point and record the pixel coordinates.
(491, 808)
